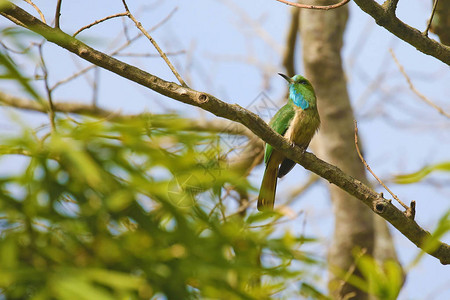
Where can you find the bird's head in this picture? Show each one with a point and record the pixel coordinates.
(301, 91)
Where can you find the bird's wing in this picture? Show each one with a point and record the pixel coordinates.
(280, 123)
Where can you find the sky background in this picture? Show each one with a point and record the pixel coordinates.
(233, 50)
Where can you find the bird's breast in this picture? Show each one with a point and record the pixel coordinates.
(303, 127)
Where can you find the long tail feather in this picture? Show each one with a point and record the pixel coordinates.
(266, 198)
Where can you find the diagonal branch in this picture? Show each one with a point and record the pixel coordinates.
(383, 207)
(384, 16)
(206, 125)
(430, 20)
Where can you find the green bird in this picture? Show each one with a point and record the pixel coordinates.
(297, 121)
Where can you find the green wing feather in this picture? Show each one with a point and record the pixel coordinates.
(280, 123)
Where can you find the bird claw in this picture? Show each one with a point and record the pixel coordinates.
(303, 149)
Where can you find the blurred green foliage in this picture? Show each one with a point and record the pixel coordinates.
(382, 280)
(143, 208)
(126, 210)
(422, 173)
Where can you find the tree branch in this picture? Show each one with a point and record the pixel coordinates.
(152, 40)
(100, 21)
(217, 126)
(372, 199)
(385, 17)
(291, 40)
(58, 13)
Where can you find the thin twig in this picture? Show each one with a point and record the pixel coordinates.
(24, 51)
(95, 87)
(150, 54)
(415, 91)
(291, 40)
(425, 33)
(322, 7)
(117, 51)
(58, 13)
(371, 172)
(98, 22)
(37, 9)
(163, 55)
(256, 26)
(51, 109)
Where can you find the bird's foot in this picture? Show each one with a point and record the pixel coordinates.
(303, 149)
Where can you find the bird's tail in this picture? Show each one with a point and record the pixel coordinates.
(266, 198)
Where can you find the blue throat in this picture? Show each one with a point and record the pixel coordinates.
(297, 97)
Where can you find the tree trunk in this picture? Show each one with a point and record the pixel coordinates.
(322, 33)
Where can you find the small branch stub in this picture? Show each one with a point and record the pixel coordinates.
(411, 211)
(202, 98)
(380, 206)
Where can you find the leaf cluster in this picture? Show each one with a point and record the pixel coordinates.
(106, 210)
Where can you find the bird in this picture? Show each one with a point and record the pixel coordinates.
(297, 121)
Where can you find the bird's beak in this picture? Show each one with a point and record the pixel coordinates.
(285, 77)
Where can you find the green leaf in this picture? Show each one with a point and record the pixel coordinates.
(309, 291)
(421, 174)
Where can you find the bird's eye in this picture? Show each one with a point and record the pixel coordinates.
(303, 81)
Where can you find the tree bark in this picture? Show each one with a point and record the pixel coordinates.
(322, 33)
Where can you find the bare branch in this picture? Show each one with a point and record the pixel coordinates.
(412, 36)
(37, 9)
(408, 227)
(51, 109)
(174, 53)
(413, 88)
(291, 40)
(217, 126)
(58, 13)
(99, 21)
(371, 172)
(425, 33)
(322, 7)
(255, 25)
(163, 55)
(117, 51)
